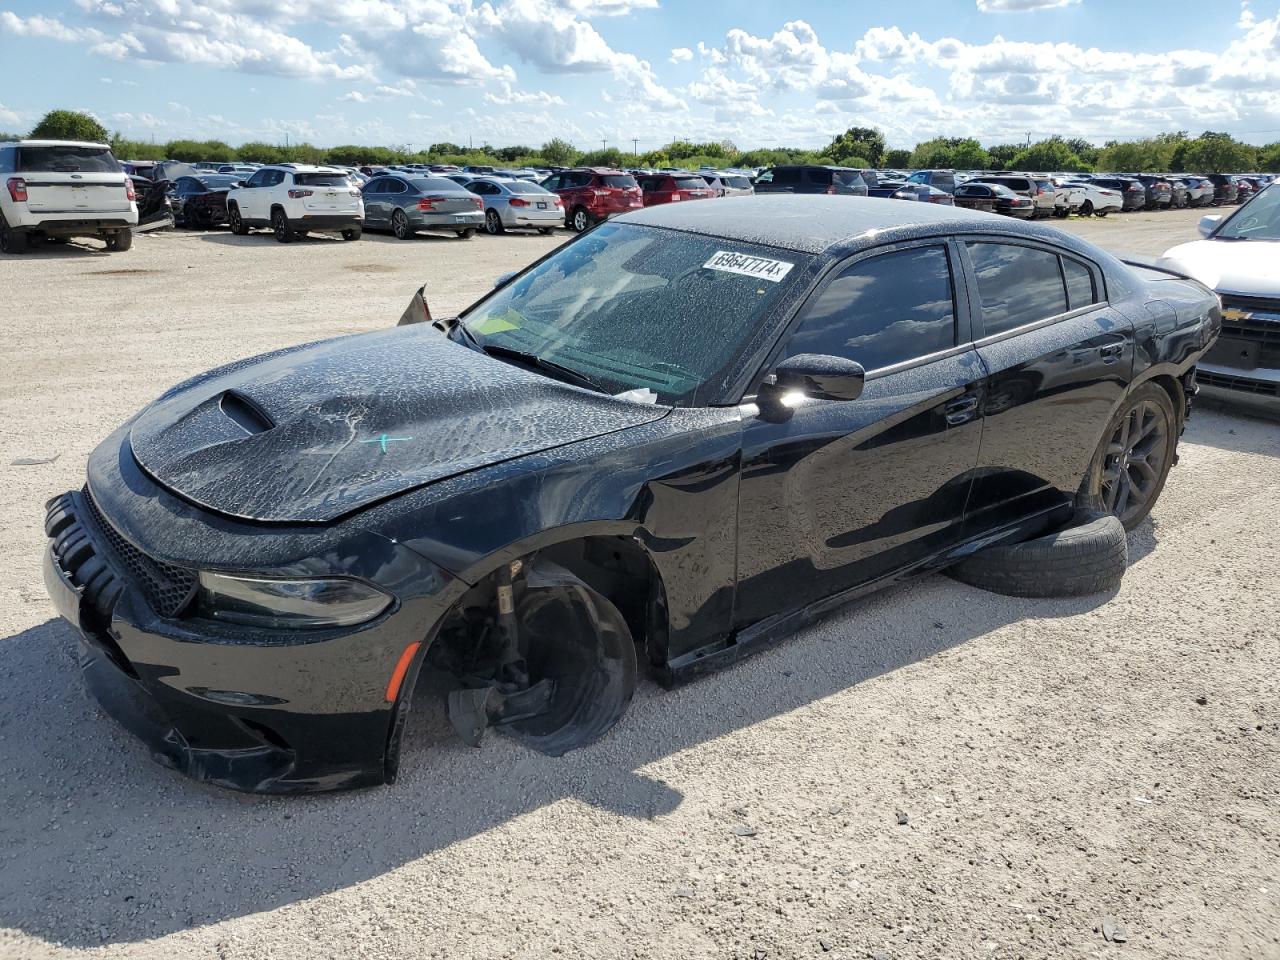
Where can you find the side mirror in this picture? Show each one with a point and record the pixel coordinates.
(1208, 223)
(504, 279)
(815, 375)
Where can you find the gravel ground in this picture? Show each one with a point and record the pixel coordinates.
(934, 772)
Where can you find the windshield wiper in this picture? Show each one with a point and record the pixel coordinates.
(541, 363)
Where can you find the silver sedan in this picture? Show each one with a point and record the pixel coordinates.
(517, 203)
(404, 204)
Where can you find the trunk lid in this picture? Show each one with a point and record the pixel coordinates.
(314, 433)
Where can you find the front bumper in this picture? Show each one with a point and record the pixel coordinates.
(231, 706)
(1257, 389)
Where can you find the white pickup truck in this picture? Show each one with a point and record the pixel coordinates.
(64, 188)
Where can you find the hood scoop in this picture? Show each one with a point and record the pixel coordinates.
(245, 413)
(320, 431)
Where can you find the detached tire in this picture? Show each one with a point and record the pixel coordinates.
(1090, 556)
(120, 241)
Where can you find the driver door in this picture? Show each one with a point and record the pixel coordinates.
(835, 494)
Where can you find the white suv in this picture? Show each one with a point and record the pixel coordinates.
(294, 199)
(64, 188)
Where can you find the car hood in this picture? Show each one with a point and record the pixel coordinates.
(1246, 267)
(313, 433)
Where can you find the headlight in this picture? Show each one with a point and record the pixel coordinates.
(256, 602)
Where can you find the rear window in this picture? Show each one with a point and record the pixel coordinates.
(60, 159)
(846, 178)
(738, 183)
(321, 180)
(620, 181)
(524, 186)
(870, 179)
(434, 183)
(690, 183)
(219, 182)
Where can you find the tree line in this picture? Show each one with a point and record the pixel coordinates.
(1177, 152)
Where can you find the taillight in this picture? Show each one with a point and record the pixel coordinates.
(296, 194)
(1136, 186)
(477, 203)
(129, 193)
(675, 197)
(517, 202)
(18, 189)
(831, 188)
(558, 202)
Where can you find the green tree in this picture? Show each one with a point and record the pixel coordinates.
(125, 149)
(1048, 156)
(1136, 156)
(607, 157)
(1083, 149)
(1269, 158)
(259, 152)
(511, 154)
(1002, 155)
(438, 149)
(1219, 153)
(959, 153)
(864, 144)
(69, 125)
(897, 158)
(193, 150)
(560, 153)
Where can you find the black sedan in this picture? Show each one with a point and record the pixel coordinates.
(201, 202)
(667, 443)
(994, 198)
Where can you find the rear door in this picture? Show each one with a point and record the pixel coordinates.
(1058, 359)
(375, 197)
(839, 493)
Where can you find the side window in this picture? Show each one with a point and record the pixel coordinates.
(821, 177)
(1018, 285)
(786, 175)
(259, 179)
(882, 311)
(375, 187)
(552, 182)
(1080, 291)
(395, 186)
(766, 176)
(6, 159)
(273, 178)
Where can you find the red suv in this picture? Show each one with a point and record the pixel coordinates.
(592, 194)
(670, 187)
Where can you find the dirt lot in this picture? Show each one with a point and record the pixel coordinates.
(1058, 762)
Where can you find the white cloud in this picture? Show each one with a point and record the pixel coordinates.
(8, 117)
(354, 96)
(1021, 6)
(50, 28)
(135, 121)
(509, 96)
(681, 55)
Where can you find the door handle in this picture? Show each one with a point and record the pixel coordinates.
(1111, 352)
(961, 410)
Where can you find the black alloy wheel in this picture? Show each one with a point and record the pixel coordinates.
(1133, 462)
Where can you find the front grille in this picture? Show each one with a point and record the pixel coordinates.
(168, 589)
(1263, 328)
(1263, 388)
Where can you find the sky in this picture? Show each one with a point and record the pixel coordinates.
(641, 73)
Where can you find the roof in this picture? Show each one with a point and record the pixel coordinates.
(812, 223)
(57, 143)
(302, 168)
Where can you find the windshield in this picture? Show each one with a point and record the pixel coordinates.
(1259, 219)
(66, 159)
(633, 307)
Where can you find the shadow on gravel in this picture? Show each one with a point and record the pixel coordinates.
(71, 249)
(100, 845)
(1216, 423)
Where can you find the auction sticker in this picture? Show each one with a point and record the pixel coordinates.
(761, 268)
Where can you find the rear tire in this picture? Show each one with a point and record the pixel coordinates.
(579, 220)
(545, 231)
(120, 241)
(1086, 209)
(400, 226)
(280, 225)
(493, 223)
(1089, 556)
(1133, 459)
(238, 226)
(12, 241)
(352, 233)
(466, 234)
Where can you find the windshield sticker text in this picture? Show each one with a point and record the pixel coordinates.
(759, 267)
